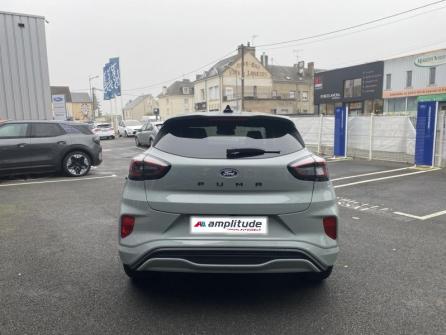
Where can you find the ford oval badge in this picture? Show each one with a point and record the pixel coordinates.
(228, 173)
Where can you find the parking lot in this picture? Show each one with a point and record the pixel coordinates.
(61, 273)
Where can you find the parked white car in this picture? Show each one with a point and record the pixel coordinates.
(104, 130)
(129, 127)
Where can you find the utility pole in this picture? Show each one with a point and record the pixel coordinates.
(92, 107)
(243, 78)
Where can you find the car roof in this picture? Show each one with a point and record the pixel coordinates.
(233, 114)
(45, 121)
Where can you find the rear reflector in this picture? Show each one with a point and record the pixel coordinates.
(312, 168)
(145, 167)
(127, 223)
(330, 227)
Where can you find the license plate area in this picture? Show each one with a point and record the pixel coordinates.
(229, 225)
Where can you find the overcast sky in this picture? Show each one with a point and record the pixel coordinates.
(164, 39)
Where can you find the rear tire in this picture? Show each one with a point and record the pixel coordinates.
(318, 277)
(76, 164)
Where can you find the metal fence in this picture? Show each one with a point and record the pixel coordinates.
(380, 137)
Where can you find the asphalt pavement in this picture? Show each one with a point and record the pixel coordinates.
(61, 274)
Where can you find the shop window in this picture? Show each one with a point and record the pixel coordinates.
(388, 81)
(396, 105)
(432, 74)
(408, 78)
(412, 104)
(352, 88)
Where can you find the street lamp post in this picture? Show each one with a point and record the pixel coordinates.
(90, 78)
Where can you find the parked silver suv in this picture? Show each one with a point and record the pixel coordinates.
(48, 146)
(228, 192)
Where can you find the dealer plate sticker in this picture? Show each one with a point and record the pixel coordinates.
(229, 225)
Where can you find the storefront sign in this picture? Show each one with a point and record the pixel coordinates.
(414, 92)
(329, 85)
(429, 60)
(433, 97)
(59, 108)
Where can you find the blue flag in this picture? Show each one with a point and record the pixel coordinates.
(108, 83)
(115, 74)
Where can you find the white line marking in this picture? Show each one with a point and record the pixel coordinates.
(383, 178)
(371, 174)
(422, 218)
(141, 149)
(57, 181)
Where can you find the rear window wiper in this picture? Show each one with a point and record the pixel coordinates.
(248, 152)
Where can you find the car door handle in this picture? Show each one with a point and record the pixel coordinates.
(62, 142)
(21, 145)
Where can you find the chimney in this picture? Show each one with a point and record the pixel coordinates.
(264, 59)
(248, 48)
(310, 67)
(164, 90)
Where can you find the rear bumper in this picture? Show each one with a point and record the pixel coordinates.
(229, 256)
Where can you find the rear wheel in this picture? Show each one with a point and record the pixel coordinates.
(76, 164)
(318, 276)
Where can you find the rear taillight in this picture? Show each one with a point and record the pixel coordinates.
(144, 167)
(127, 224)
(330, 226)
(312, 168)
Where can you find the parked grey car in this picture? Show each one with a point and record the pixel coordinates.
(48, 146)
(148, 133)
(228, 192)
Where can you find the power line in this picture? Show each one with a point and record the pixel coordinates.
(352, 27)
(183, 75)
(355, 32)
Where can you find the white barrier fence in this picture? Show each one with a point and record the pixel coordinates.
(371, 137)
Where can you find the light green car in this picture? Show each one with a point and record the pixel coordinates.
(228, 192)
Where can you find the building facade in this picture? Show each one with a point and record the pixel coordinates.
(267, 88)
(358, 88)
(24, 77)
(414, 78)
(139, 107)
(176, 99)
(80, 108)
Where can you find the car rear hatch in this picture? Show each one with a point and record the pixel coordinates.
(228, 165)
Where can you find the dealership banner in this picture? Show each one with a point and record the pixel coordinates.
(108, 84)
(115, 74)
(112, 79)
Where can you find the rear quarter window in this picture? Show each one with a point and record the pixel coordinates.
(211, 136)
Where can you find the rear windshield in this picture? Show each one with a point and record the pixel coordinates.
(132, 123)
(212, 137)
